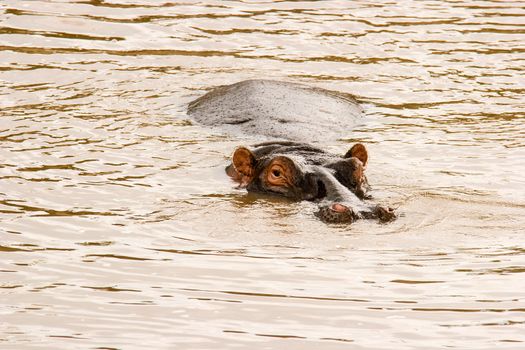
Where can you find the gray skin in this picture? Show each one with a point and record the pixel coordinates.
(300, 113)
(278, 110)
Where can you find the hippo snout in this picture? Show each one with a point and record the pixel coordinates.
(337, 213)
(384, 214)
(340, 205)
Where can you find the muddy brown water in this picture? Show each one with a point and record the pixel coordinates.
(119, 229)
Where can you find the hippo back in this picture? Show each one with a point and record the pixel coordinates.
(277, 110)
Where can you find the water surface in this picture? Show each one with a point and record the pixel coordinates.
(120, 230)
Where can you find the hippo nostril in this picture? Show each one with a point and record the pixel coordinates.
(339, 208)
(336, 213)
(385, 214)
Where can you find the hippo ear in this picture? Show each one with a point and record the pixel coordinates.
(358, 151)
(244, 161)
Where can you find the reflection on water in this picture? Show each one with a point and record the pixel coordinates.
(119, 228)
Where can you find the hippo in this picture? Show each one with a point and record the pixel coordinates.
(293, 168)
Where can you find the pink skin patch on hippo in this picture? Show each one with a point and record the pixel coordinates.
(339, 208)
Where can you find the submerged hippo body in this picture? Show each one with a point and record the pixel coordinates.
(278, 110)
(291, 169)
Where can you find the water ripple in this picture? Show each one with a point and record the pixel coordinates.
(119, 228)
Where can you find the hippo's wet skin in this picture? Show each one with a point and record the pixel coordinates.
(301, 172)
(278, 110)
(291, 169)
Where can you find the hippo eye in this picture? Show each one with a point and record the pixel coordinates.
(277, 175)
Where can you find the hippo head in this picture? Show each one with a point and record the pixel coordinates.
(302, 172)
